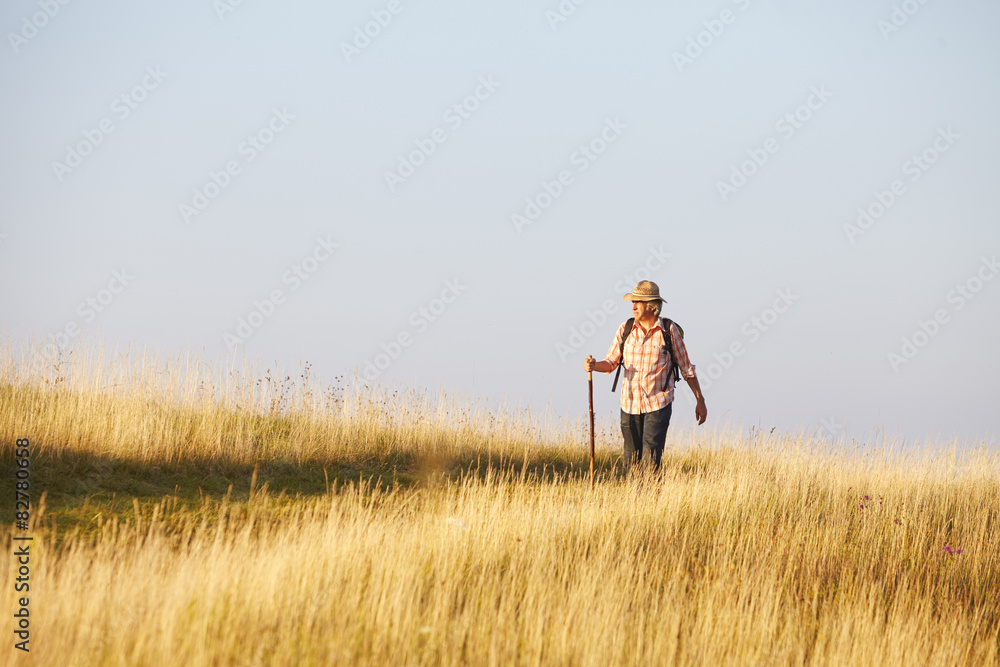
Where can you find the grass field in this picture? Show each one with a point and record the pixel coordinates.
(200, 516)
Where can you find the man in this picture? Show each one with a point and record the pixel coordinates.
(648, 387)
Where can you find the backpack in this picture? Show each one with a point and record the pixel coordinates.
(667, 344)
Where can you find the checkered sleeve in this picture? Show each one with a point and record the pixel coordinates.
(614, 354)
(687, 368)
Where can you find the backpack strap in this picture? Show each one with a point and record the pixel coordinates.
(668, 346)
(668, 343)
(621, 351)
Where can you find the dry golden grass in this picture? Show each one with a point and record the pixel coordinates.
(455, 534)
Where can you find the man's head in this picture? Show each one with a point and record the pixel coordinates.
(646, 301)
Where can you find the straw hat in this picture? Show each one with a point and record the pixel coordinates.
(644, 291)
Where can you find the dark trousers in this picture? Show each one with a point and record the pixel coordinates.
(645, 433)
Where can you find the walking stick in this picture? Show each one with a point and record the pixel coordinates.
(590, 387)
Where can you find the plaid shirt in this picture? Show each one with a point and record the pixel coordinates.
(647, 363)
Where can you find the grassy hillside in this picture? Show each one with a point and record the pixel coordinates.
(205, 516)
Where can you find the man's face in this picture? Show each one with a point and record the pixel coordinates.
(641, 308)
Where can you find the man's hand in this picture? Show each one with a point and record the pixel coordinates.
(588, 363)
(701, 411)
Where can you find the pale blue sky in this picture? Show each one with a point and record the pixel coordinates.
(679, 131)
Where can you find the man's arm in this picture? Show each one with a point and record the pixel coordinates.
(687, 370)
(700, 410)
(600, 366)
